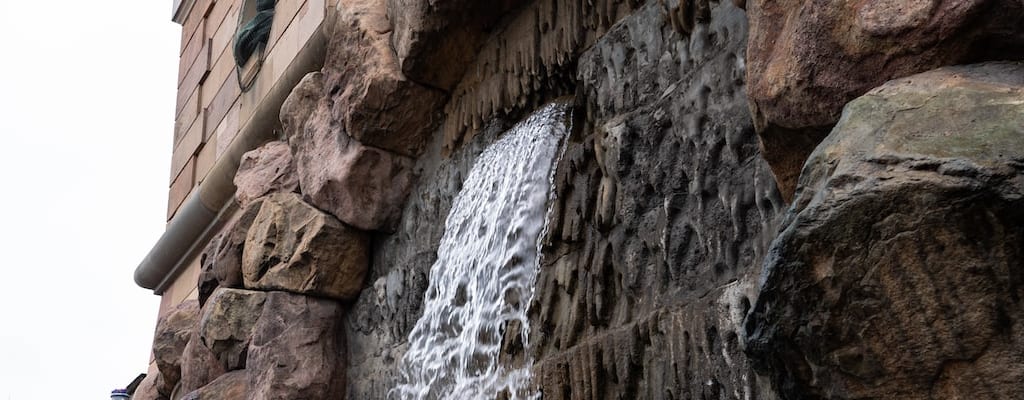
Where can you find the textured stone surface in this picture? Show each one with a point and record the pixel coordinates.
(226, 324)
(199, 366)
(221, 260)
(301, 102)
(297, 350)
(294, 247)
(368, 96)
(266, 169)
(436, 40)
(230, 386)
(897, 272)
(172, 334)
(147, 389)
(808, 58)
(362, 186)
(655, 241)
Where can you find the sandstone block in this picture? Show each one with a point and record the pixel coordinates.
(896, 273)
(362, 186)
(221, 261)
(370, 98)
(297, 351)
(230, 386)
(227, 322)
(806, 59)
(295, 247)
(265, 170)
(172, 334)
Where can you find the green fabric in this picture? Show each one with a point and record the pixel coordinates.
(255, 32)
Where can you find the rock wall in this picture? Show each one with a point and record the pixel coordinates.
(672, 265)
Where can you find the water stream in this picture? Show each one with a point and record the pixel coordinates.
(487, 262)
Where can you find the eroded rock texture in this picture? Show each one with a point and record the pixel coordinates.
(898, 272)
(221, 260)
(231, 386)
(294, 247)
(172, 334)
(199, 365)
(227, 322)
(808, 58)
(659, 229)
(265, 170)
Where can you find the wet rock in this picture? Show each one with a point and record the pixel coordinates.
(807, 59)
(265, 170)
(436, 40)
(172, 334)
(231, 386)
(897, 272)
(199, 366)
(147, 389)
(364, 187)
(226, 324)
(221, 260)
(294, 247)
(369, 98)
(297, 350)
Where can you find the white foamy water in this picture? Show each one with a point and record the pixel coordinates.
(484, 275)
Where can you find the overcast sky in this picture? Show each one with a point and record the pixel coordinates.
(87, 93)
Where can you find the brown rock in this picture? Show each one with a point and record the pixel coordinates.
(266, 169)
(199, 366)
(294, 247)
(362, 186)
(301, 102)
(230, 386)
(147, 389)
(227, 322)
(297, 350)
(436, 41)
(370, 99)
(897, 273)
(806, 59)
(221, 261)
(172, 334)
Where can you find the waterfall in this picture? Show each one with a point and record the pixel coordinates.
(487, 262)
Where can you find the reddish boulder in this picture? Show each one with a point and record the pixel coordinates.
(230, 386)
(297, 350)
(147, 389)
(221, 261)
(226, 324)
(294, 247)
(199, 366)
(301, 102)
(172, 334)
(362, 186)
(266, 169)
(807, 58)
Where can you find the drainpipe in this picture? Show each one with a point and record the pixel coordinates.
(209, 205)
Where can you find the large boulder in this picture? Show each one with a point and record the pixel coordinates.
(266, 169)
(147, 389)
(227, 322)
(301, 102)
(897, 273)
(807, 58)
(199, 366)
(221, 260)
(295, 247)
(297, 350)
(173, 331)
(231, 386)
(369, 97)
(364, 187)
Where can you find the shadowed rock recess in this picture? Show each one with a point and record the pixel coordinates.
(671, 265)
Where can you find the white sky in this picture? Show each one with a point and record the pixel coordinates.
(87, 92)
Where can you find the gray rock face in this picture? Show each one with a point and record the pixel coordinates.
(663, 217)
(221, 261)
(227, 322)
(294, 247)
(897, 273)
(172, 334)
(265, 170)
(297, 351)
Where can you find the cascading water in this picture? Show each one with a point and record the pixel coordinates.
(486, 265)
